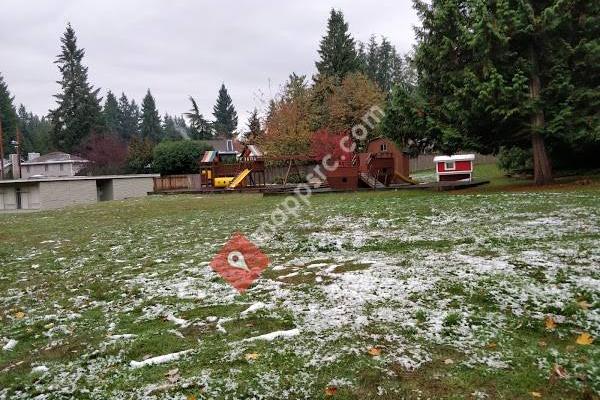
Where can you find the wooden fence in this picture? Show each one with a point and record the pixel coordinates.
(425, 161)
(174, 182)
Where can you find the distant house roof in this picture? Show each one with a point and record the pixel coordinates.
(57, 157)
(225, 145)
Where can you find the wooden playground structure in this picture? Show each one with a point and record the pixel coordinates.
(220, 170)
(380, 166)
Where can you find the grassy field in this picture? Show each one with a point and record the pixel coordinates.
(479, 294)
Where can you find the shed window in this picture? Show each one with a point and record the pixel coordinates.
(383, 147)
(230, 145)
(449, 166)
(62, 167)
(46, 167)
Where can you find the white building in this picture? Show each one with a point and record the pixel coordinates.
(51, 165)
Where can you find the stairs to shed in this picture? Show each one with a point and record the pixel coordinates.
(370, 180)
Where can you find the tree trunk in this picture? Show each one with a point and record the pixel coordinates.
(542, 170)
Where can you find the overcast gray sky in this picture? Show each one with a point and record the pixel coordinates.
(182, 48)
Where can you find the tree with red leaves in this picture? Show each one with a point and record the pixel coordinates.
(107, 155)
(338, 145)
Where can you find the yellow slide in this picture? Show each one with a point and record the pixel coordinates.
(238, 179)
(405, 179)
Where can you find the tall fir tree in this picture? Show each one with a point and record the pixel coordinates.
(150, 126)
(226, 119)
(78, 112)
(200, 128)
(382, 64)
(129, 118)
(337, 49)
(255, 131)
(110, 113)
(8, 117)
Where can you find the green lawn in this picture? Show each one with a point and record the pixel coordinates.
(407, 294)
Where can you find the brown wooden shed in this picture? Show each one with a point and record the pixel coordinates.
(401, 159)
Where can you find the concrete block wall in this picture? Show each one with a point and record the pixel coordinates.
(30, 197)
(60, 194)
(134, 187)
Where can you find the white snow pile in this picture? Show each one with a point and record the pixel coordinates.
(274, 335)
(159, 359)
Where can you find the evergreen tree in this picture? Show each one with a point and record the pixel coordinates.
(382, 64)
(200, 128)
(78, 112)
(255, 130)
(35, 132)
(496, 73)
(111, 114)
(337, 50)
(26, 121)
(371, 67)
(8, 116)
(129, 118)
(226, 119)
(403, 122)
(150, 126)
(175, 128)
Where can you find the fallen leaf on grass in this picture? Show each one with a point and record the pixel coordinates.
(584, 305)
(448, 361)
(536, 394)
(550, 323)
(330, 390)
(20, 315)
(251, 356)
(542, 343)
(584, 339)
(191, 397)
(559, 371)
(491, 346)
(374, 351)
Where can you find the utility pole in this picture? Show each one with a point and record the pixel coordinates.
(1, 152)
(18, 146)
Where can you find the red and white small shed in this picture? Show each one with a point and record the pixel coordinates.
(454, 168)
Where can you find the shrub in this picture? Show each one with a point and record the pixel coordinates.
(514, 160)
(180, 157)
(139, 156)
